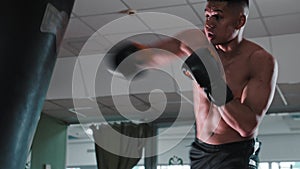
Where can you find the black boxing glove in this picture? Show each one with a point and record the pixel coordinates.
(122, 60)
(202, 67)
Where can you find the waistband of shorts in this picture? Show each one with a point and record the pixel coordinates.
(232, 145)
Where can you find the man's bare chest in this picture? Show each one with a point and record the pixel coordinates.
(237, 74)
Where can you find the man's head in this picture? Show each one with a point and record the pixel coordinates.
(231, 2)
(225, 19)
(243, 4)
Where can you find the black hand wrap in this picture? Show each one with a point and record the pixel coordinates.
(209, 79)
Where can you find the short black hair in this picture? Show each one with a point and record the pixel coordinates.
(244, 3)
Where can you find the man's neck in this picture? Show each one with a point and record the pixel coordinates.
(230, 46)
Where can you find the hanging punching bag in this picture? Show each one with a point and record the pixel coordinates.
(31, 32)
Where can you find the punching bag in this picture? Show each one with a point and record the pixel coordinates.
(31, 34)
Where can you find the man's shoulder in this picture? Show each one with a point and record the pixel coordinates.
(260, 60)
(251, 46)
(257, 52)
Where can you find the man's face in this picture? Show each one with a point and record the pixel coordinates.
(221, 22)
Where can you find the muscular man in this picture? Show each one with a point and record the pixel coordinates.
(225, 131)
(250, 74)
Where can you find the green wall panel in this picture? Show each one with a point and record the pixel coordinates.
(49, 144)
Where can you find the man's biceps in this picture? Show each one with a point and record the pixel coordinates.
(258, 97)
(258, 101)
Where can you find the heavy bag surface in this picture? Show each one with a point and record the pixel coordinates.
(31, 34)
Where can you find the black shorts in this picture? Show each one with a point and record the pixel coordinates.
(225, 156)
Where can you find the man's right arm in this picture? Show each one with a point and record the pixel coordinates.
(156, 54)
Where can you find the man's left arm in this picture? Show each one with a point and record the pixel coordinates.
(244, 114)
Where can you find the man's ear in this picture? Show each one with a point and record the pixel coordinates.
(241, 22)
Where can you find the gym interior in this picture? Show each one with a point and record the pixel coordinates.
(81, 95)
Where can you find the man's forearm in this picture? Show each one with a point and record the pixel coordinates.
(240, 117)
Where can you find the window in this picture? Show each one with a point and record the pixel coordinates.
(166, 167)
(279, 165)
(138, 167)
(289, 165)
(263, 165)
(173, 167)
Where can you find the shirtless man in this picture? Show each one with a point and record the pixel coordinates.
(226, 130)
